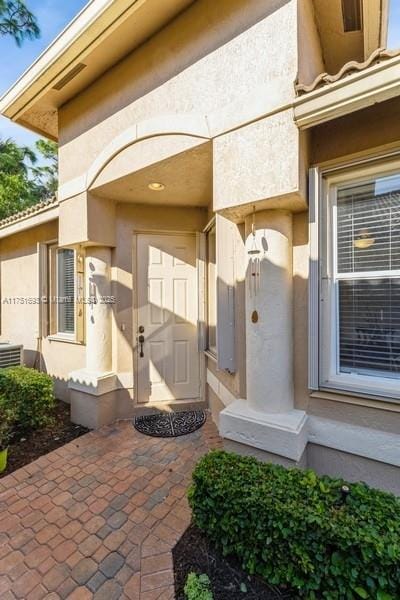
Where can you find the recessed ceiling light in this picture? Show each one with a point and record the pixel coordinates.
(156, 186)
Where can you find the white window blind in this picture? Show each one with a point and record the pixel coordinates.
(368, 277)
(66, 291)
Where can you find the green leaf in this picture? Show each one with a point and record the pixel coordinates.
(243, 588)
(361, 592)
(381, 595)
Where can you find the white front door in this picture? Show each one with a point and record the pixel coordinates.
(167, 313)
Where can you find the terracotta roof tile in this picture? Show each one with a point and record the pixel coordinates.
(29, 212)
(380, 55)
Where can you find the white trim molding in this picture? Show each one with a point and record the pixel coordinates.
(219, 389)
(374, 444)
(313, 284)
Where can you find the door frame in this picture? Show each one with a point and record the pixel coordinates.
(201, 307)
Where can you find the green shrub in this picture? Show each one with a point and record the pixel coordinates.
(29, 394)
(294, 528)
(7, 423)
(197, 587)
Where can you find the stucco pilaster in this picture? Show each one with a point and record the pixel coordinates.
(267, 419)
(93, 387)
(269, 340)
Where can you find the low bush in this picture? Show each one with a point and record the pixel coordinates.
(297, 529)
(29, 394)
(7, 423)
(197, 587)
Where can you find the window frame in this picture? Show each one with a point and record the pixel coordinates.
(328, 318)
(211, 227)
(53, 332)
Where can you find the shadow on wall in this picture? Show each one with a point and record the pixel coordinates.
(123, 293)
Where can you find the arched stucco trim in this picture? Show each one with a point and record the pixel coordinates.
(185, 125)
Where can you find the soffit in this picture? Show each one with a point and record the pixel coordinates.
(340, 47)
(115, 32)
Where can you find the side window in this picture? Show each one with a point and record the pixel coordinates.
(360, 286)
(63, 314)
(66, 291)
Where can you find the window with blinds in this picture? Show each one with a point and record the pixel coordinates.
(367, 277)
(66, 291)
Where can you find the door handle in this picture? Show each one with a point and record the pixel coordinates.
(141, 342)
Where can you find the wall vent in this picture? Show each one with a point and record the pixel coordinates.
(10, 355)
(69, 76)
(352, 15)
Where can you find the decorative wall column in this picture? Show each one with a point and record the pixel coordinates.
(98, 310)
(93, 389)
(269, 312)
(267, 419)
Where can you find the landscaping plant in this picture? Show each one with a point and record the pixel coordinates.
(297, 529)
(7, 419)
(29, 395)
(197, 587)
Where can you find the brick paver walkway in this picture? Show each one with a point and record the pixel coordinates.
(98, 517)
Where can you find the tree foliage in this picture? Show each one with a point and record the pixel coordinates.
(18, 21)
(22, 181)
(47, 174)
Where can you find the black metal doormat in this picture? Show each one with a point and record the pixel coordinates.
(171, 424)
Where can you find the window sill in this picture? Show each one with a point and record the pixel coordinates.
(211, 355)
(61, 338)
(369, 401)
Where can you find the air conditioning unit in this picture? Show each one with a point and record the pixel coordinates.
(11, 355)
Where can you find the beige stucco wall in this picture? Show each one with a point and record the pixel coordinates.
(20, 321)
(366, 131)
(311, 61)
(213, 54)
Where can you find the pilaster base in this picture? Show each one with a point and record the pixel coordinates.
(283, 434)
(97, 399)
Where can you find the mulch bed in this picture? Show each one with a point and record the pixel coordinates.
(29, 445)
(195, 553)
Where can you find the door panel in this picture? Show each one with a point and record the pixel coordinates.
(168, 312)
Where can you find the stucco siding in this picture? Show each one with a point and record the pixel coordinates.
(20, 310)
(211, 55)
(311, 61)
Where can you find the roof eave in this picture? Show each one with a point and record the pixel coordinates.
(29, 219)
(81, 34)
(376, 84)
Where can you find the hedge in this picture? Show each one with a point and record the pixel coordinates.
(297, 529)
(30, 395)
